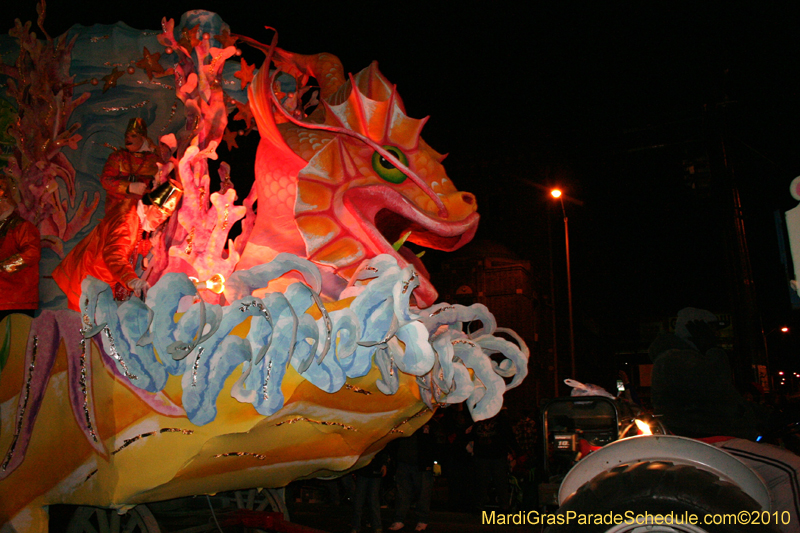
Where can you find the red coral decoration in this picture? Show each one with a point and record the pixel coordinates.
(39, 81)
(196, 244)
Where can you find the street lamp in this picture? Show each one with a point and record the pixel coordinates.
(556, 193)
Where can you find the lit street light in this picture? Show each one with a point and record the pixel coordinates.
(767, 351)
(556, 193)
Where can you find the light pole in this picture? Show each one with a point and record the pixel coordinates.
(556, 193)
(553, 308)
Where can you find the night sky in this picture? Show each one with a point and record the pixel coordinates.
(607, 99)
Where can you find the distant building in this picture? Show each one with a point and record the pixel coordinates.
(487, 272)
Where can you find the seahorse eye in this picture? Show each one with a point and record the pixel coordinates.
(385, 169)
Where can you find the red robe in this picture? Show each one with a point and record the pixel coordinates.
(121, 169)
(20, 250)
(108, 253)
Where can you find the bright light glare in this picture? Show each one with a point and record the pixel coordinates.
(785, 329)
(644, 429)
(215, 283)
(556, 193)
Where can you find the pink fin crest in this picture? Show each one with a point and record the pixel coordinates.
(374, 109)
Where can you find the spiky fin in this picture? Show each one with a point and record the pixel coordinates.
(368, 104)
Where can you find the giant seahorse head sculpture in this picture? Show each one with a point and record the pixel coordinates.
(353, 179)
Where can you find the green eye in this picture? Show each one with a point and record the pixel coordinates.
(385, 169)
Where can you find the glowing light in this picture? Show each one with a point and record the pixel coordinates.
(215, 283)
(555, 193)
(785, 329)
(780, 373)
(644, 429)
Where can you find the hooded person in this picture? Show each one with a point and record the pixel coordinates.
(109, 253)
(20, 251)
(129, 172)
(692, 383)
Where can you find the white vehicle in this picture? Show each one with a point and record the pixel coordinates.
(645, 483)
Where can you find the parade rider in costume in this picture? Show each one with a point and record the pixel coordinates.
(109, 253)
(20, 250)
(129, 172)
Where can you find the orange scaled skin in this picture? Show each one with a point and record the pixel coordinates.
(318, 193)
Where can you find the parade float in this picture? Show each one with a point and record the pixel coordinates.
(297, 349)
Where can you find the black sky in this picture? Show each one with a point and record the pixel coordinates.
(605, 98)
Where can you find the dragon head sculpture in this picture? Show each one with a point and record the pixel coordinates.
(357, 176)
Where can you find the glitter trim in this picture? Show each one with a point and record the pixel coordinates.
(408, 282)
(255, 303)
(171, 114)
(258, 456)
(115, 354)
(441, 310)
(20, 416)
(266, 381)
(357, 390)
(247, 305)
(407, 420)
(128, 442)
(127, 107)
(195, 365)
(464, 341)
(87, 416)
(320, 422)
(155, 82)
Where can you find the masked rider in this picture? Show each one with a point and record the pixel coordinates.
(109, 253)
(129, 171)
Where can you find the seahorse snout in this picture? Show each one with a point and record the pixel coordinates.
(460, 204)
